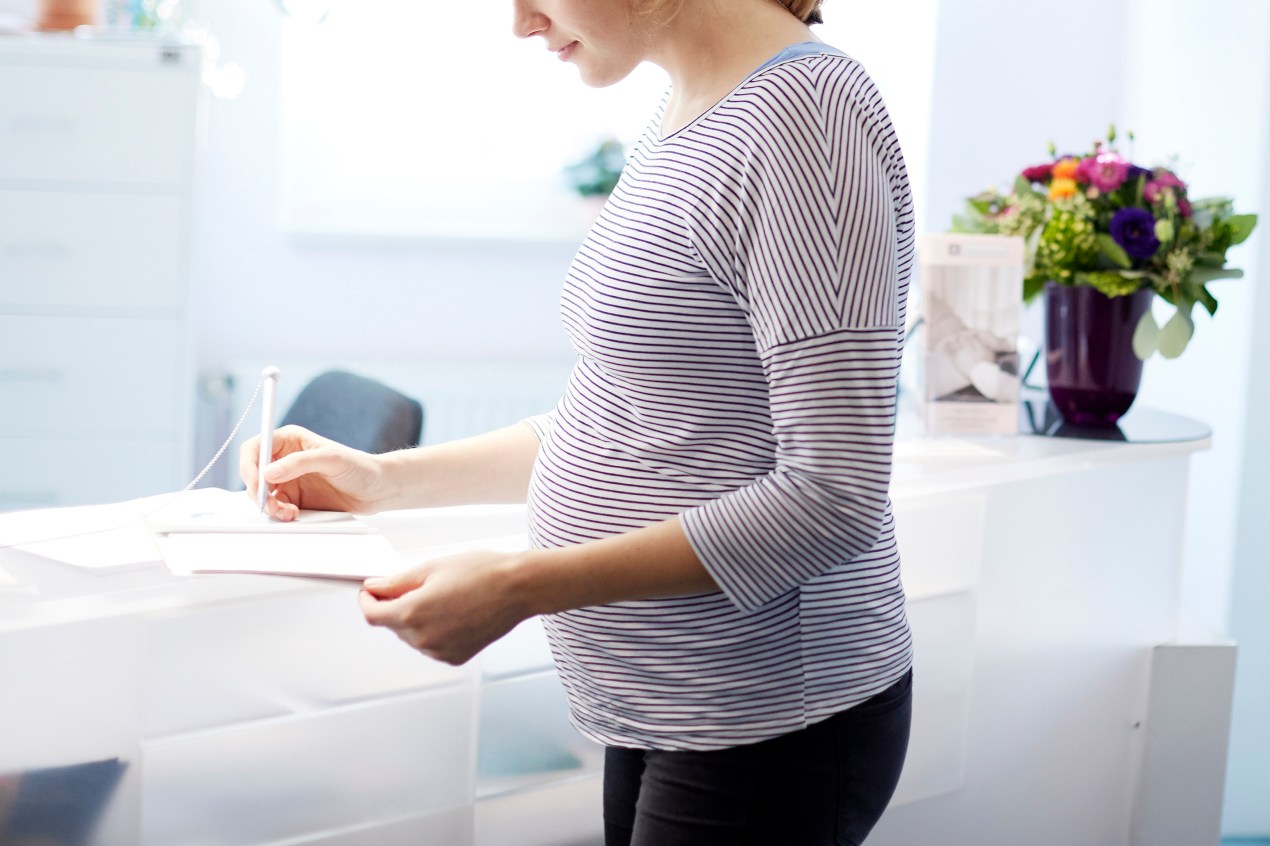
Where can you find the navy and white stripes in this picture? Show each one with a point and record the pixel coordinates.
(737, 311)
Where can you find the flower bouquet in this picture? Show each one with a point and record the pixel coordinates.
(1099, 220)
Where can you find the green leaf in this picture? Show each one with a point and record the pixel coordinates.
(1146, 336)
(1032, 287)
(1109, 248)
(1207, 300)
(1022, 186)
(1176, 334)
(1204, 275)
(1241, 227)
(966, 224)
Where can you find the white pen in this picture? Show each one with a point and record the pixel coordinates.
(269, 378)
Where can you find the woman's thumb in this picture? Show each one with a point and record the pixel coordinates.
(396, 584)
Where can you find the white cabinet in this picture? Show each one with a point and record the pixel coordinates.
(97, 144)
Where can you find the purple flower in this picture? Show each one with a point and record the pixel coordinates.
(1135, 171)
(1106, 171)
(1134, 230)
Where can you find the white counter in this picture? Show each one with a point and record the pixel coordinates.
(1041, 574)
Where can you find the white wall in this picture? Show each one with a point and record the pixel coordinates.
(1247, 810)
(258, 293)
(1197, 84)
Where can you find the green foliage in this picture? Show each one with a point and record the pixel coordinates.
(598, 173)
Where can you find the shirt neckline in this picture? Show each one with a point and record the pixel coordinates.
(774, 61)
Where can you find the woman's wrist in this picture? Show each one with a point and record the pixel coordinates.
(396, 470)
(653, 561)
(531, 580)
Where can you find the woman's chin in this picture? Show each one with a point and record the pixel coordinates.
(601, 77)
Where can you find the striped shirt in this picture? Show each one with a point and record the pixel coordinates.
(737, 312)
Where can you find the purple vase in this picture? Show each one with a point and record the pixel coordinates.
(1092, 369)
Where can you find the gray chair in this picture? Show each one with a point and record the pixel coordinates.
(357, 412)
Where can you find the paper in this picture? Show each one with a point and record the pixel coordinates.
(210, 530)
(328, 556)
(116, 535)
(90, 536)
(6, 580)
(331, 556)
(220, 511)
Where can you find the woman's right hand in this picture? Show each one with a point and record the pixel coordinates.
(312, 472)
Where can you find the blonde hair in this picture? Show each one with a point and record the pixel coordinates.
(807, 11)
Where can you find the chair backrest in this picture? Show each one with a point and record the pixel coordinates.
(357, 412)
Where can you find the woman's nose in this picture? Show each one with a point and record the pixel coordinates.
(527, 21)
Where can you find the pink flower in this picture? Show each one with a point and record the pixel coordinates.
(1163, 180)
(1184, 208)
(1106, 171)
(1038, 173)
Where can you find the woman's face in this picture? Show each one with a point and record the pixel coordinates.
(606, 39)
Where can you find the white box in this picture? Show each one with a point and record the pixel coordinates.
(972, 290)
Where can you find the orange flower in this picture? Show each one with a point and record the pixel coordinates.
(1062, 187)
(1066, 168)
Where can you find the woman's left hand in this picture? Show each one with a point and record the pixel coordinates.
(449, 608)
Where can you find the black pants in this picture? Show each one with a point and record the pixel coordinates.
(825, 785)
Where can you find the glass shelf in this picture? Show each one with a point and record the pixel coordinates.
(1037, 416)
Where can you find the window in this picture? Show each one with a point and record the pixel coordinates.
(431, 119)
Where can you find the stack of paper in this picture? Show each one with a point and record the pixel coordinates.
(210, 530)
(223, 532)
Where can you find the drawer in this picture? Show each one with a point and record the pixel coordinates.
(99, 378)
(51, 673)
(42, 473)
(274, 657)
(68, 700)
(941, 543)
(943, 663)
(443, 828)
(102, 251)
(295, 778)
(101, 125)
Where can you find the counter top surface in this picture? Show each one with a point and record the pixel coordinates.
(39, 591)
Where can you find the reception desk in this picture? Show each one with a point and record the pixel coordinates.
(1059, 696)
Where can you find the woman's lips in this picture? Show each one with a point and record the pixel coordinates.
(566, 51)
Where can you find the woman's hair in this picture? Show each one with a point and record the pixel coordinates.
(807, 11)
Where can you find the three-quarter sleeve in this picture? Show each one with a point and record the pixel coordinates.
(541, 424)
(806, 239)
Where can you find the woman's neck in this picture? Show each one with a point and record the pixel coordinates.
(710, 46)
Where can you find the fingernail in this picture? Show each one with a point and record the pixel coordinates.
(373, 582)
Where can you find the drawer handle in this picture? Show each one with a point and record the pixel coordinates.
(45, 125)
(31, 374)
